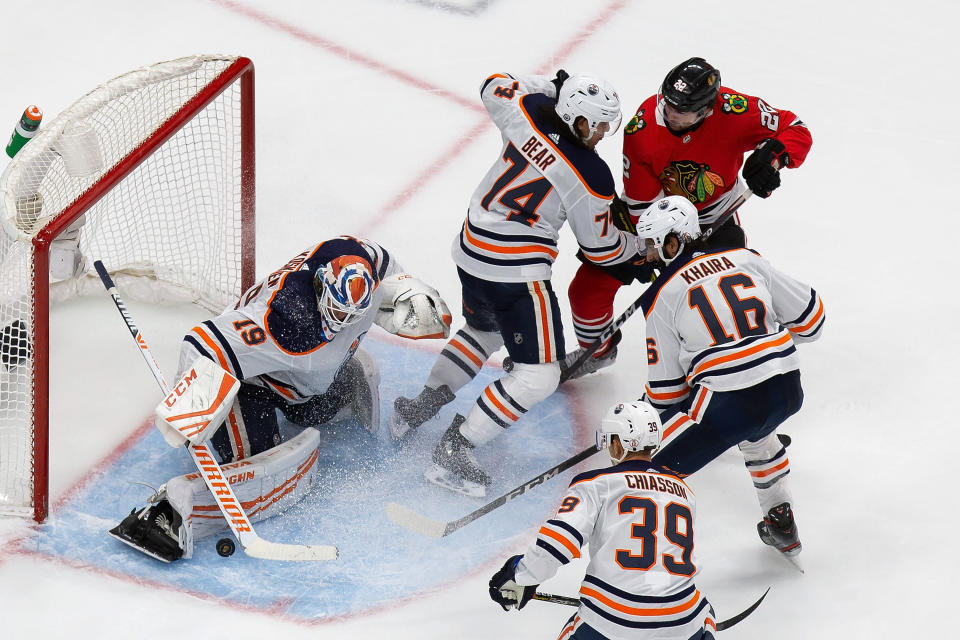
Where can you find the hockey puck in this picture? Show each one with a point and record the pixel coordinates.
(226, 547)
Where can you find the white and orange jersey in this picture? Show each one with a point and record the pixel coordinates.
(539, 181)
(638, 520)
(275, 335)
(724, 320)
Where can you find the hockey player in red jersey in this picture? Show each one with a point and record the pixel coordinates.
(688, 140)
(638, 518)
(547, 174)
(723, 369)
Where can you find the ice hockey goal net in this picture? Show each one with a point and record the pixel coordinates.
(153, 172)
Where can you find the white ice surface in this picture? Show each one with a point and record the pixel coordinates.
(368, 122)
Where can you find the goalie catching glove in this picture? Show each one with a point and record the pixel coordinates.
(197, 404)
(412, 309)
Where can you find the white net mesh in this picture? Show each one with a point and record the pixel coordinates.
(173, 225)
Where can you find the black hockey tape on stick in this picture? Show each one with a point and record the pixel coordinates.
(623, 317)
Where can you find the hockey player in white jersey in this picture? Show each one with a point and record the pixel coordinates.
(722, 330)
(638, 520)
(548, 173)
(293, 342)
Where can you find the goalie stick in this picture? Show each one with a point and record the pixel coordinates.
(723, 624)
(252, 544)
(413, 521)
(623, 317)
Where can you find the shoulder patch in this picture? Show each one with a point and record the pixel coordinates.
(636, 124)
(733, 103)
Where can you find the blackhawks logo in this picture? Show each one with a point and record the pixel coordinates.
(691, 180)
(636, 123)
(734, 103)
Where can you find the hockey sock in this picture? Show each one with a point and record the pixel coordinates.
(504, 401)
(462, 357)
(768, 465)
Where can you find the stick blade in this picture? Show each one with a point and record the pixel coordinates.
(413, 521)
(265, 550)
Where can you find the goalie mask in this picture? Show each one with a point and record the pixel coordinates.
(636, 424)
(592, 98)
(673, 215)
(344, 289)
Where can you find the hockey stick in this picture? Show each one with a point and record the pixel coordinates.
(723, 624)
(413, 521)
(252, 544)
(622, 318)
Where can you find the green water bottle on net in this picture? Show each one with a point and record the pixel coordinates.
(25, 129)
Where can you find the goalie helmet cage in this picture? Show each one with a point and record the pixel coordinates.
(155, 168)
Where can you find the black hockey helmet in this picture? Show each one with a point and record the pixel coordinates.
(691, 85)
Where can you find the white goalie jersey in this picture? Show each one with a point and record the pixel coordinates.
(724, 320)
(275, 337)
(638, 521)
(540, 181)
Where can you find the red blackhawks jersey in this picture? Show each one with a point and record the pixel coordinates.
(703, 165)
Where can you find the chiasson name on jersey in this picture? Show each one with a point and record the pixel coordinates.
(705, 268)
(654, 483)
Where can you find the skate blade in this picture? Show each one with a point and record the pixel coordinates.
(452, 482)
(133, 545)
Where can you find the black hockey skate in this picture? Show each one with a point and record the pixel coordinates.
(153, 530)
(592, 364)
(780, 531)
(454, 466)
(410, 413)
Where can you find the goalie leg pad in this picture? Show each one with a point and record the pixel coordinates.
(266, 485)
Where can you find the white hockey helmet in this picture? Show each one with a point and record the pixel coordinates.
(673, 214)
(591, 97)
(344, 289)
(636, 424)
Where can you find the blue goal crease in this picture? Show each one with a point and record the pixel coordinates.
(359, 475)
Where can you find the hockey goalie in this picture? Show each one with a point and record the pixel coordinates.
(290, 344)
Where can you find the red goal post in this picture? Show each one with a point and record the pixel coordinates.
(153, 172)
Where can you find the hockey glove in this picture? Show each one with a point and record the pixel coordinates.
(762, 168)
(559, 80)
(620, 215)
(505, 591)
(412, 309)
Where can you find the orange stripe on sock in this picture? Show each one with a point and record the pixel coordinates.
(499, 405)
(761, 474)
(459, 346)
